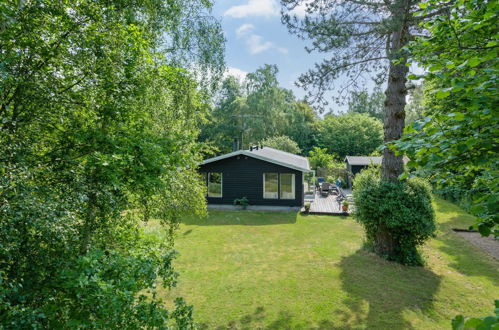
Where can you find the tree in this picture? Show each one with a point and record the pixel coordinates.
(362, 102)
(257, 109)
(455, 144)
(319, 157)
(282, 142)
(98, 133)
(361, 36)
(364, 36)
(350, 134)
(303, 125)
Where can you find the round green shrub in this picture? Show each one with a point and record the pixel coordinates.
(397, 216)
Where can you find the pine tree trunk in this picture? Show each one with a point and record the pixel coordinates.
(392, 166)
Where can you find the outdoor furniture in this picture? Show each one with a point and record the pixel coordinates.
(334, 189)
(325, 188)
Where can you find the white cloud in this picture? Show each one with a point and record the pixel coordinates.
(300, 10)
(235, 72)
(244, 29)
(266, 8)
(256, 45)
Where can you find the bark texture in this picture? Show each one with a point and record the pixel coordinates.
(392, 166)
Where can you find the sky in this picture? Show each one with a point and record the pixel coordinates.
(255, 36)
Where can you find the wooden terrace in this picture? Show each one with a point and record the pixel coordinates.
(326, 204)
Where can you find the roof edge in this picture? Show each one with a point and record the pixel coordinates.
(250, 154)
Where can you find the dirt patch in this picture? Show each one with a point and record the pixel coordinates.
(488, 244)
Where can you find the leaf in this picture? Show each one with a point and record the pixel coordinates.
(440, 94)
(458, 322)
(474, 62)
(472, 322)
(484, 229)
(459, 116)
(435, 67)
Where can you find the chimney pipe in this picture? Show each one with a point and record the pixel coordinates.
(235, 145)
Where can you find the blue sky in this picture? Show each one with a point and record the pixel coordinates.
(255, 36)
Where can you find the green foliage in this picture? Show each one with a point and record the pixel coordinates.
(372, 104)
(397, 216)
(257, 109)
(455, 144)
(283, 143)
(350, 134)
(318, 157)
(244, 202)
(97, 134)
(483, 323)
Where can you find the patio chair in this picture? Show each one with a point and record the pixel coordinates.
(325, 188)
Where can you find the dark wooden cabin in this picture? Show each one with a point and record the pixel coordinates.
(265, 176)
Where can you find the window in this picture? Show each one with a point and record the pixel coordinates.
(270, 183)
(214, 184)
(287, 186)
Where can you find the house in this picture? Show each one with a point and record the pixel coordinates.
(355, 164)
(265, 176)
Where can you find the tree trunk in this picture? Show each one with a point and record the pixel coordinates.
(392, 166)
(385, 245)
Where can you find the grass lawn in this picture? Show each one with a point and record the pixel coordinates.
(247, 270)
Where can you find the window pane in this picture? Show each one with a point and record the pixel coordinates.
(270, 182)
(287, 186)
(214, 184)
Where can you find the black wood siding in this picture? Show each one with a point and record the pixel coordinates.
(242, 176)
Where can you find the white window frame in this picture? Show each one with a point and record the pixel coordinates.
(277, 194)
(293, 190)
(221, 185)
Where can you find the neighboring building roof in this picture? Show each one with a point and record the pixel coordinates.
(363, 160)
(270, 155)
(367, 160)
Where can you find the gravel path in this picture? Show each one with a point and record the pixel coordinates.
(488, 244)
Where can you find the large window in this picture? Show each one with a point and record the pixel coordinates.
(270, 183)
(279, 185)
(287, 185)
(214, 184)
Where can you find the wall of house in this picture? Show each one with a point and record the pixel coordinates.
(243, 177)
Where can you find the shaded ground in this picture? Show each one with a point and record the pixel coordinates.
(263, 270)
(488, 244)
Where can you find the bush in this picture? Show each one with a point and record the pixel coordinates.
(397, 216)
(487, 322)
(307, 206)
(243, 202)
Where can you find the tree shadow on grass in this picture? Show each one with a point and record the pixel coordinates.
(242, 218)
(258, 320)
(467, 258)
(380, 291)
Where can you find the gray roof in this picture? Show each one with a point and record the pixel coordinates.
(363, 160)
(367, 160)
(270, 155)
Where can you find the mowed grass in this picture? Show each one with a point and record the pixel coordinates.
(252, 270)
